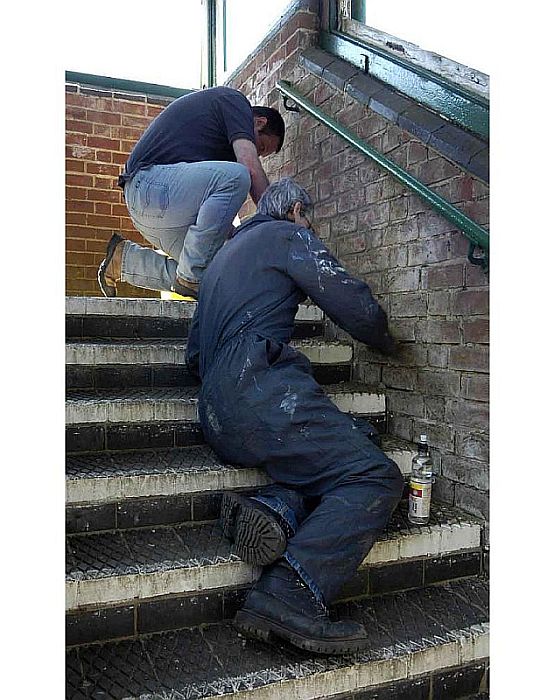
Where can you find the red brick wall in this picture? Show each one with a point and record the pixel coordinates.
(101, 129)
(412, 258)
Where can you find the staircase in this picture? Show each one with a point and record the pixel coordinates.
(151, 583)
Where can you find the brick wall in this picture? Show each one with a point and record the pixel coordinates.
(412, 258)
(101, 128)
(414, 261)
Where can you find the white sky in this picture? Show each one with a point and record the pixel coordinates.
(160, 43)
(459, 31)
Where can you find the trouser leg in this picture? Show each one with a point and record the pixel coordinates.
(228, 188)
(186, 210)
(334, 539)
(288, 503)
(144, 267)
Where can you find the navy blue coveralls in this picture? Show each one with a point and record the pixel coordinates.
(259, 404)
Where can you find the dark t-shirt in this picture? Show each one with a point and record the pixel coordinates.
(196, 127)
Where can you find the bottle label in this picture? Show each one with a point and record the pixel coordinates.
(420, 496)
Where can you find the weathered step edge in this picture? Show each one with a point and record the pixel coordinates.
(155, 308)
(228, 571)
(446, 628)
(167, 404)
(468, 646)
(213, 475)
(145, 352)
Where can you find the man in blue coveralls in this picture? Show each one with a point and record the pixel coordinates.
(259, 405)
(184, 182)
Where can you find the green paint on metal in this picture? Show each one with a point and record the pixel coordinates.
(475, 233)
(358, 10)
(125, 85)
(211, 41)
(447, 99)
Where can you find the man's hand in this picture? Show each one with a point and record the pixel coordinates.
(245, 152)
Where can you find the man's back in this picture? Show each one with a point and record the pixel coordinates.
(247, 288)
(257, 280)
(199, 126)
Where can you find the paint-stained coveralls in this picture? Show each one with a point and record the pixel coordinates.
(259, 404)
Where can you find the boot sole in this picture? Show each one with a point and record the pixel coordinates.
(257, 537)
(254, 627)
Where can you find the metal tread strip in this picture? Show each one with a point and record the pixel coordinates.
(410, 634)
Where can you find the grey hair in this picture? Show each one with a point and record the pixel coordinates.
(280, 196)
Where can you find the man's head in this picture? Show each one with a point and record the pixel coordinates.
(269, 130)
(288, 201)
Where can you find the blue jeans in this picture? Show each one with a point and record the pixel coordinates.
(186, 210)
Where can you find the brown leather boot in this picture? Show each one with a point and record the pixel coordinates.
(109, 272)
(185, 288)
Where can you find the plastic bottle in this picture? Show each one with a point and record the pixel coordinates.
(420, 484)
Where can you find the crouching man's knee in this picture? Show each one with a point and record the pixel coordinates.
(242, 179)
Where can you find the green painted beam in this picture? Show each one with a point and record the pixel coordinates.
(124, 85)
(211, 41)
(440, 95)
(475, 233)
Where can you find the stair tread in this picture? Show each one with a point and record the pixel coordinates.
(410, 633)
(106, 351)
(154, 308)
(188, 394)
(147, 405)
(177, 460)
(147, 550)
(113, 476)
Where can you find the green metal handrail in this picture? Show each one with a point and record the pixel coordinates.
(475, 233)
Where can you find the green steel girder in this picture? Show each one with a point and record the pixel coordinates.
(124, 85)
(477, 235)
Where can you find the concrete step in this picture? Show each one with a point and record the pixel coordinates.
(134, 566)
(96, 317)
(414, 637)
(109, 363)
(112, 478)
(171, 351)
(138, 405)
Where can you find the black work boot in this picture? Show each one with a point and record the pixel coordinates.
(258, 534)
(282, 604)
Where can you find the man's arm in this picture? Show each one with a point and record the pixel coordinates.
(245, 152)
(347, 300)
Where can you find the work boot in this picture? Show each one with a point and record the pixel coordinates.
(185, 288)
(109, 271)
(281, 604)
(258, 534)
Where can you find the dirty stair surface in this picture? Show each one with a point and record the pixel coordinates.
(152, 584)
(410, 634)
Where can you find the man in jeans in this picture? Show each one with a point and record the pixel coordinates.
(259, 405)
(184, 182)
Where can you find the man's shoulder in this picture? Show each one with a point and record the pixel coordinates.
(226, 93)
(265, 225)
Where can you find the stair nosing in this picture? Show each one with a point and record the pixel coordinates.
(156, 308)
(180, 404)
(281, 671)
(175, 481)
(171, 351)
(110, 587)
